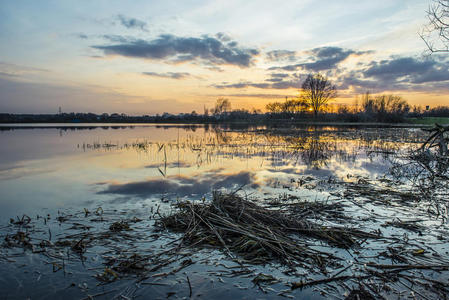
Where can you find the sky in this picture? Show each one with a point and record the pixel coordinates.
(148, 57)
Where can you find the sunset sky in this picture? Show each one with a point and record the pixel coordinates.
(148, 57)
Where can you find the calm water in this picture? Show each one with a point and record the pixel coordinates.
(53, 168)
(47, 170)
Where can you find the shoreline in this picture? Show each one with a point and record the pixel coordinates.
(186, 124)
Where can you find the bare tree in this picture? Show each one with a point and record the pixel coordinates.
(223, 105)
(317, 90)
(436, 33)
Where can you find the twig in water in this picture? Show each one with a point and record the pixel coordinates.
(190, 287)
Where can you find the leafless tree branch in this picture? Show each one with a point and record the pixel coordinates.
(436, 33)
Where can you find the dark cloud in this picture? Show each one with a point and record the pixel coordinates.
(323, 58)
(279, 75)
(408, 69)
(327, 58)
(132, 23)
(82, 36)
(287, 68)
(394, 74)
(287, 84)
(210, 50)
(172, 75)
(275, 79)
(182, 186)
(354, 80)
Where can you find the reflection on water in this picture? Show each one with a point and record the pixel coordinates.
(68, 167)
(139, 170)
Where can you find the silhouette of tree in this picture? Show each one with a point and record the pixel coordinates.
(290, 106)
(316, 91)
(436, 33)
(274, 107)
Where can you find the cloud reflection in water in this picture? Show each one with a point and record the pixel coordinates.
(183, 186)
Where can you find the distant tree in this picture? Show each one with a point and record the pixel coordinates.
(294, 105)
(222, 105)
(436, 33)
(368, 104)
(384, 107)
(274, 107)
(290, 106)
(343, 109)
(316, 92)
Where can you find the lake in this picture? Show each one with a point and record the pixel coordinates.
(73, 179)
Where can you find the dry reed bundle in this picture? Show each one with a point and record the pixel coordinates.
(256, 233)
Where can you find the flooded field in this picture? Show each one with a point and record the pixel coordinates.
(219, 212)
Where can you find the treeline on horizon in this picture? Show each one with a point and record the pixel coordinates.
(368, 108)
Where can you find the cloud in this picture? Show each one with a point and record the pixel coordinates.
(115, 38)
(172, 75)
(281, 55)
(173, 49)
(7, 74)
(323, 58)
(132, 23)
(262, 96)
(182, 186)
(408, 69)
(13, 70)
(327, 58)
(281, 85)
(398, 73)
(279, 81)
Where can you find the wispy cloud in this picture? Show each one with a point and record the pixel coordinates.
(132, 23)
(172, 75)
(82, 36)
(8, 69)
(281, 85)
(262, 96)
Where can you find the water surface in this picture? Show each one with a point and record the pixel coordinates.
(132, 170)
